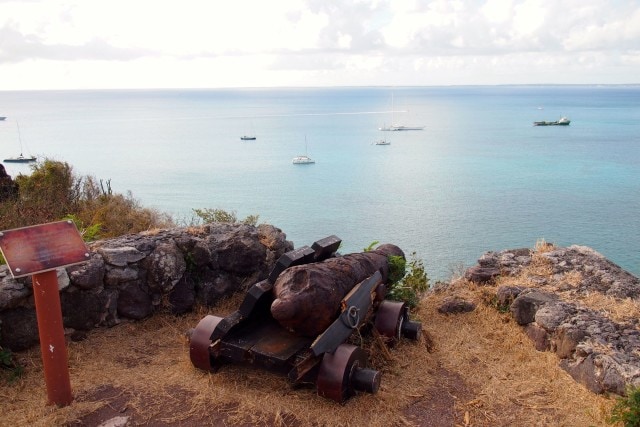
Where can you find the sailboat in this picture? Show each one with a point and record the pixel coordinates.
(303, 159)
(21, 158)
(396, 127)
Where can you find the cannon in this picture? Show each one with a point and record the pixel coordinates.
(314, 350)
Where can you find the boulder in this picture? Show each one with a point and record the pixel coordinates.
(480, 274)
(526, 305)
(455, 305)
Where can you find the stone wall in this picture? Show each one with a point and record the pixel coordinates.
(133, 276)
(573, 302)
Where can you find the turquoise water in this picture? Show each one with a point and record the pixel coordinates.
(479, 176)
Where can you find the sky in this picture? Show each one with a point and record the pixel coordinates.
(99, 44)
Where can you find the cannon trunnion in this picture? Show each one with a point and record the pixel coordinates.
(338, 369)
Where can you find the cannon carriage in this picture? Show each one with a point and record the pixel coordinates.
(252, 334)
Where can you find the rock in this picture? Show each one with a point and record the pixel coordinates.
(196, 252)
(597, 372)
(165, 267)
(239, 250)
(212, 286)
(456, 305)
(583, 371)
(12, 292)
(182, 296)
(80, 310)
(506, 294)
(116, 275)
(598, 352)
(479, 274)
(566, 339)
(133, 302)
(109, 309)
(488, 259)
(553, 314)
(121, 256)
(19, 328)
(525, 306)
(88, 275)
(539, 336)
(63, 278)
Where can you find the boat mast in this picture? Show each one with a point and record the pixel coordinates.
(19, 137)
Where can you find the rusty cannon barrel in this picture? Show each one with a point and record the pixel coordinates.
(307, 297)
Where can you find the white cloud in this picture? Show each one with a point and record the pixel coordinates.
(124, 43)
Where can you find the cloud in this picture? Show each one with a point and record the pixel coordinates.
(324, 41)
(17, 47)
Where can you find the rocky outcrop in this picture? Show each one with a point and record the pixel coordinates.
(558, 296)
(133, 276)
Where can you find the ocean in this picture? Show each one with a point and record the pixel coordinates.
(479, 177)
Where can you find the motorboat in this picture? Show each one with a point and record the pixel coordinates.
(382, 142)
(2, 118)
(563, 121)
(248, 138)
(398, 127)
(401, 127)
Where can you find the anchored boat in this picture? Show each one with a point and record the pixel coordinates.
(563, 121)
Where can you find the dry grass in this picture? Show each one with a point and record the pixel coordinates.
(501, 380)
(513, 384)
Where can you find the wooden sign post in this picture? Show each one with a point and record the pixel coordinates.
(38, 251)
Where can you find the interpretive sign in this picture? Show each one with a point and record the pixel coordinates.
(37, 251)
(41, 248)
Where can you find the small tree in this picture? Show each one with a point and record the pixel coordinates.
(209, 215)
(408, 279)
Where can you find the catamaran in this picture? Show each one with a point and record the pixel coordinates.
(20, 158)
(303, 159)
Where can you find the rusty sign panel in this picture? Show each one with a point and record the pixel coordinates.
(44, 247)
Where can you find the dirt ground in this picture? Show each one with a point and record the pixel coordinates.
(473, 369)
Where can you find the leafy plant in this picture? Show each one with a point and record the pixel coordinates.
(627, 409)
(397, 268)
(371, 246)
(209, 215)
(53, 191)
(407, 282)
(90, 233)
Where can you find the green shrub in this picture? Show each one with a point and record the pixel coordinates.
(90, 233)
(53, 192)
(408, 282)
(397, 268)
(209, 215)
(627, 409)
